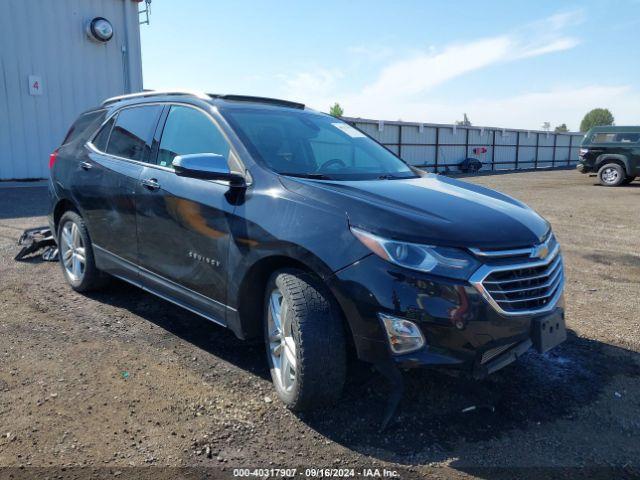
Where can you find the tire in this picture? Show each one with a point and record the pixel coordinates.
(310, 331)
(611, 175)
(74, 245)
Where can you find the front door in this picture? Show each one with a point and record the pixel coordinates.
(183, 223)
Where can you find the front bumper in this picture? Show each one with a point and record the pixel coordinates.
(462, 331)
(583, 168)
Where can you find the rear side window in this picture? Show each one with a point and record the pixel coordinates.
(617, 137)
(628, 137)
(101, 139)
(131, 135)
(82, 124)
(188, 131)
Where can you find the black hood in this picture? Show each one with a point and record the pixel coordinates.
(432, 210)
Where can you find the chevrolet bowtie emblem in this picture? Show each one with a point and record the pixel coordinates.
(540, 251)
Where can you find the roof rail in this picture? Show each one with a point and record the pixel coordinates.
(249, 98)
(153, 93)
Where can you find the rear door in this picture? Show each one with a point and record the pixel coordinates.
(183, 223)
(118, 153)
(71, 172)
(630, 147)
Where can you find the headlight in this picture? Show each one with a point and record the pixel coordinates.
(448, 262)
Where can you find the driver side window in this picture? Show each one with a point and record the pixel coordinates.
(188, 131)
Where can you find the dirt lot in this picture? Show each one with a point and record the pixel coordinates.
(121, 378)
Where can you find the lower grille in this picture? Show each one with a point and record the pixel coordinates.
(524, 288)
(494, 352)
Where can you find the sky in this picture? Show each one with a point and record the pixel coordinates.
(504, 63)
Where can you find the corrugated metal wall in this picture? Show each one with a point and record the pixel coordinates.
(438, 147)
(47, 38)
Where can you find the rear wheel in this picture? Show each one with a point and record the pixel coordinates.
(305, 341)
(76, 254)
(611, 175)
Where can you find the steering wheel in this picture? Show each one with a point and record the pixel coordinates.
(333, 161)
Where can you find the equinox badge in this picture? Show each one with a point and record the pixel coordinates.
(202, 258)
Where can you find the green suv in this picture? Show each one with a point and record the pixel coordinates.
(611, 152)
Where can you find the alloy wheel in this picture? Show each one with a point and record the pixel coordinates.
(282, 347)
(610, 175)
(72, 251)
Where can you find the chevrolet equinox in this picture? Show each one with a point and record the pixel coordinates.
(283, 223)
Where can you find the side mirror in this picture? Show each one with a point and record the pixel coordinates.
(206, 166)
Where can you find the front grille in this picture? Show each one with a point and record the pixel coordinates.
(524, 287)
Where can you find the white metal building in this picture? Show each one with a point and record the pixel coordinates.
(57, 59)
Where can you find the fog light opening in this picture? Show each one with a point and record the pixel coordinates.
(404, 336)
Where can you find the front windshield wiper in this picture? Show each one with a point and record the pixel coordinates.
(315, 176)
(392, 177)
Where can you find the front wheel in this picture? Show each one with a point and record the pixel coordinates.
(611, 175)
(305, 340)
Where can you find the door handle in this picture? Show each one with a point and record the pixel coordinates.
(150, 183)
(86, 165)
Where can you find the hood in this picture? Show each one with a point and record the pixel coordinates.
(432, 210)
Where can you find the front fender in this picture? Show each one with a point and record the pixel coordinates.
(271, 229)
(607, 157)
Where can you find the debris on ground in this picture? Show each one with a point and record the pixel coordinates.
(34, 239)
(471, 408)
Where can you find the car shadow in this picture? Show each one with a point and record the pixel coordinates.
(634, 184)
(192, 328)
(438, 411)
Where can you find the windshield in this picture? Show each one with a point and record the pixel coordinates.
(308, 144)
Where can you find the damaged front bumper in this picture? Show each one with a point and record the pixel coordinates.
(462, 332)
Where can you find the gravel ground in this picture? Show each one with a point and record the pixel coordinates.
(121, 379)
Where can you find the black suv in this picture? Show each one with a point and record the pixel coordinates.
(613, 153)
(291, 225)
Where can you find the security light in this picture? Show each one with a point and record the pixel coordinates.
(100, 30)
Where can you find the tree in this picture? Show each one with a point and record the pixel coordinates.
(562, 128)
(546, 126)
(465, 122)
(336, 110)
(596, 118)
